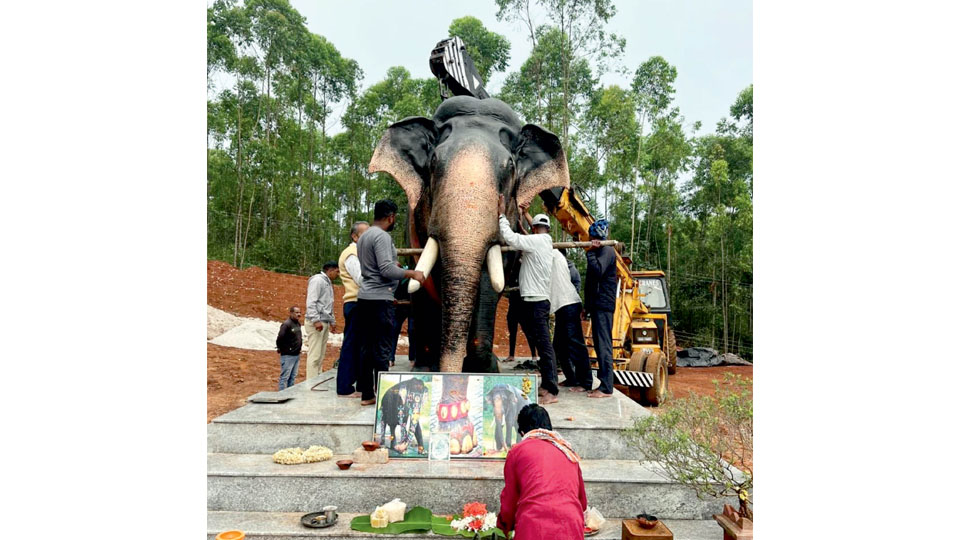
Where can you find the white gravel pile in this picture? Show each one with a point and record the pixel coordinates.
(219, 321)
(250, 333)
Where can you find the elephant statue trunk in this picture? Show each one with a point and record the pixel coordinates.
(464, 219)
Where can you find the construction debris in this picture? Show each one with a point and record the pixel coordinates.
(707, 357)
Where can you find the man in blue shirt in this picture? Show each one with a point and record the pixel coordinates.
(600, 293)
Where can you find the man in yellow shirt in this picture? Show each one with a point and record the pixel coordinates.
(351, 277)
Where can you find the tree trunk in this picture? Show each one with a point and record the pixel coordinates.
(237, 219)
(246, 235)
(633, 215)
(565, 60)
(323, 170)
(723, 283)
(637, 172)
(651, 213)
(713, 322)
(266, 194)
(669, 237)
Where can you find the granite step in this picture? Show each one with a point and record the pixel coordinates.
(286, 526)
(314, 415)
(253, 482)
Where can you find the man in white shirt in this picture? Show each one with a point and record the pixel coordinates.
(568, 343)
(320, 320)
(536, 273)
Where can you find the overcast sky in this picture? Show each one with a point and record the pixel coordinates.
(710, 42)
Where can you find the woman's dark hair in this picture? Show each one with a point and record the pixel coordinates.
(384, 208)
(533, 417)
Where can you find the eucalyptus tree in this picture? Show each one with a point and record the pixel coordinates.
(719, 197)
(489, 50)
(610, 130)
(653, 91)
(546, 90)
(582, 25)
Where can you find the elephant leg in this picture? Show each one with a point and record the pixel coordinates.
(427, 314)
(393, 434)
(480, 356)
(418, 433)
(498, 435)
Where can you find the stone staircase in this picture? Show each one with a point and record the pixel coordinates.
(246, 490)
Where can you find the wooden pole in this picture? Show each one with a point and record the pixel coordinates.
(401, 252)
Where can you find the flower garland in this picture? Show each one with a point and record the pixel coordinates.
(475, 518)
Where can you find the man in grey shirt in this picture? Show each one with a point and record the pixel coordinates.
(381, 274)
(320, 320)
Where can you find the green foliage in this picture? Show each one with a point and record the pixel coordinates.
(549, 88)
(653, 86)
(490, 51)
(700, 439)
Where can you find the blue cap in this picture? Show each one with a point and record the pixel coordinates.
(599, 229)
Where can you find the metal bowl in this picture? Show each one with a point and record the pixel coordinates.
(317, 520)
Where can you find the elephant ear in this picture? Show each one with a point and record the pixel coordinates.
(541, 163)
(404, 153)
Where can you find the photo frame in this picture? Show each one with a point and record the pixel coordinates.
(475, 414)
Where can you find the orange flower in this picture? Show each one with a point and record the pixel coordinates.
(474, 509)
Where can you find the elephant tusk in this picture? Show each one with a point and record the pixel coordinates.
(495, 267)
(427, 259)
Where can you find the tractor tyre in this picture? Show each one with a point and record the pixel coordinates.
(671, 352)
(656, 365)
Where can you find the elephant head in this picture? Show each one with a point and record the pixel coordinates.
(453, 168)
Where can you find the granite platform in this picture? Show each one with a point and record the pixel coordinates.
(318, 416)
(253, 482)
(286, 526)
(247, 491)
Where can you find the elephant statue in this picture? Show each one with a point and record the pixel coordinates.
(453, 168)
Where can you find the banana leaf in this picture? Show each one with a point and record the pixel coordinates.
(417, 518)
(441, 525)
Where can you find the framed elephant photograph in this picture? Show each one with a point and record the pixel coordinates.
(503, 398)
(476, 414)
(401, 426)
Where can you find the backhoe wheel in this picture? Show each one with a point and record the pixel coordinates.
(671, 352)
(657, 365)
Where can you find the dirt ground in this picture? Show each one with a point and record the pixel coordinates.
(700, 380)
(235, 374)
